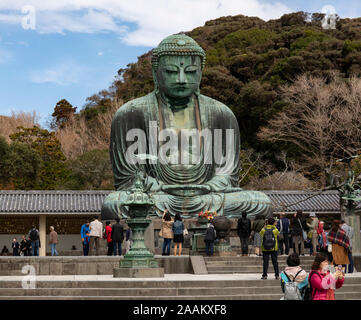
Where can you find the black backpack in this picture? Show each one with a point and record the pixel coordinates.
(307, 292)
(210, 234)
(269, 240)
(34, 235)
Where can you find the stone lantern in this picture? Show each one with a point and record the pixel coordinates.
(139, 261)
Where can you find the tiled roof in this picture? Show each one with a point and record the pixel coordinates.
(70, 202)
(51, 201)
(307, 201)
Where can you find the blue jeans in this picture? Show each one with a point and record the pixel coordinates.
(35, 247)
(53, 249)
(166, 246)
(350, 266)
(209, 248)
(119, 245)
(85, 248)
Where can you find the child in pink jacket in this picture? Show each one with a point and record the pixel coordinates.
(322, 281)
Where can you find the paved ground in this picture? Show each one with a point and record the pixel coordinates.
(167, 277)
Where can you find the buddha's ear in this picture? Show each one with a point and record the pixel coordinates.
(156, 87)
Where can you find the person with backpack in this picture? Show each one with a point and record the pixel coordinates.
(178, 228)
(209, 238)
(117, 236)
(283, 227)
(314, 227)
(294, 279)
(322, 282)
(35, 240)
(258, 224)
(269, 236)
(244, 232)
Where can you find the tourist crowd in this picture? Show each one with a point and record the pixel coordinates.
(91, 234)
(331, 246)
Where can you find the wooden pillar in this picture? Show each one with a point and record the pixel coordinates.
(42, 231)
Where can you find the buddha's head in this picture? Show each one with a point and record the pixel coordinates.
(177, 65)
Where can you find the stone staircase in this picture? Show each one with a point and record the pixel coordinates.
(249, 264)
(113, 289)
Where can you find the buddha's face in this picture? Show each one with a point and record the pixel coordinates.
(179, 76)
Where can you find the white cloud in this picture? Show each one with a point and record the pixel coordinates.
(153, 20)
(63, 74)
(5, 56)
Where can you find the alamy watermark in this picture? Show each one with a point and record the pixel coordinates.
(185, 147)
(28, 20)
(29, 280)
(330, 18)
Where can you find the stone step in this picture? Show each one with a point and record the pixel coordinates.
(119, 283)
(114, 289)
(197, 291)
(338, 296)
(253, 259)
(193, 298)
(141, 284)
(241, 263)
(243, 269)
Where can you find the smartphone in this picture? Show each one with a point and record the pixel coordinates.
(331, 268)
(341, 268)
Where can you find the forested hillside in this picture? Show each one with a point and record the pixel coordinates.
(288, 81)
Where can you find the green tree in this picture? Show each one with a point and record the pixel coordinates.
(19, 165)
(53, 171)
(62, 113)
(91, 170)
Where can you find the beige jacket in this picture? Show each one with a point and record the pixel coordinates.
(167, 231)
(96, 229)
(53, 237)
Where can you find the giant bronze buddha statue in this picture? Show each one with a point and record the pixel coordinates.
(147, 136)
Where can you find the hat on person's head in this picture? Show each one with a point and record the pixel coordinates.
(312, 214)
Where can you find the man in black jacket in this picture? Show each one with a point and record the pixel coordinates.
(244, 231)
(117, 237)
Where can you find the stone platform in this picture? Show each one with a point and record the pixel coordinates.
(80, 265)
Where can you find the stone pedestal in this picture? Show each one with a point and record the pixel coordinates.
(223, 249)
(354, 222)
(139, 262)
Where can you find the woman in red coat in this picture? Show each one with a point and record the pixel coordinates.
(108, 235)
(322, 281)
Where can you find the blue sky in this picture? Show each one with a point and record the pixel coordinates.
(77, 47)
